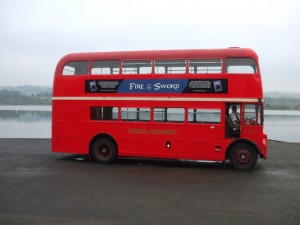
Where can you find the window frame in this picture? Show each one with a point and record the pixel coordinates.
(255, 70)
(100, 109)
(138, 112)
(208, 73)
(78, 74)
(168, 59)
(106, 60)
(194, 114)
(258, 119)
(124, 60)
(166, 114)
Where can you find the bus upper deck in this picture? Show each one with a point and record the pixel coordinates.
(232, 72)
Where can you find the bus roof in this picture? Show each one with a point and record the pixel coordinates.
(156, 54)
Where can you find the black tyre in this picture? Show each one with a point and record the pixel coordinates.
(104, 150)
(243, 156)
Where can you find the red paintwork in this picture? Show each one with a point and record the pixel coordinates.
(72, 129)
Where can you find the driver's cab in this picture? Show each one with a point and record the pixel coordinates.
(243, 120)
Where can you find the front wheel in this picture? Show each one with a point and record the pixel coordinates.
(243, 156)
(104, 150)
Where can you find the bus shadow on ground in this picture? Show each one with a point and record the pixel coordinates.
(145, 162)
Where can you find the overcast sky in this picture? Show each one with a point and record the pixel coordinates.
(36, 34)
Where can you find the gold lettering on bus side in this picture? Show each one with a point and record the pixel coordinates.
(137, 131)
(151, 131)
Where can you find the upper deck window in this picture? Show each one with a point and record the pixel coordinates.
(137, 67)
(174, 66)
(241, 65)
(76, 68)
(205, 66)
(106, 67)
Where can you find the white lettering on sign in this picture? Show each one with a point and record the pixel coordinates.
(135, 86)
(156, 86)
(159, 86)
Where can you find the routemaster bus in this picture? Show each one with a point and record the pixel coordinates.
(204, 104)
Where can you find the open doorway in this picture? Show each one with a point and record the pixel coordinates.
(233, 118)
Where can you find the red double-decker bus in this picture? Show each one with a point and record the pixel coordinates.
(177, 104)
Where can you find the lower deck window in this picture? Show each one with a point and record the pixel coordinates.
(135, 114)
(104, 113)
(169, 114)
(160, 114)
(204, 115)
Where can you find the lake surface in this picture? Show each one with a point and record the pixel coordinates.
(25, 121)
(35, 122)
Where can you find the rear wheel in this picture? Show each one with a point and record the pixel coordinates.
(104, 150)
(243, 156)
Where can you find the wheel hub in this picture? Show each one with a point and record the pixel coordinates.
(103, 151)
(243, 156)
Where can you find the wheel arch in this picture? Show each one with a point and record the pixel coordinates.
(243, 141)
(103, 135)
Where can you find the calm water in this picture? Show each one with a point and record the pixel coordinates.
(25, 121)
(35, 122)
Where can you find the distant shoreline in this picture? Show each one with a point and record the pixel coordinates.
(48, 102)
(42, 95)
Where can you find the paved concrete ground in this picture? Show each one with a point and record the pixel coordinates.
(39, 187)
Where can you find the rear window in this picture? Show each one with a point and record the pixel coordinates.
(241, 65)
(76, 68)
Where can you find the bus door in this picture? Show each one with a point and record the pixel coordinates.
(251, 125)
(233, 118)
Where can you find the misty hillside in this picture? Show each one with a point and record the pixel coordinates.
(31, 89)
(25, 95)
(281, 94)
(28, 89)
(282, 100)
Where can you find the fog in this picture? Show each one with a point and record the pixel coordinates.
(36, 34)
